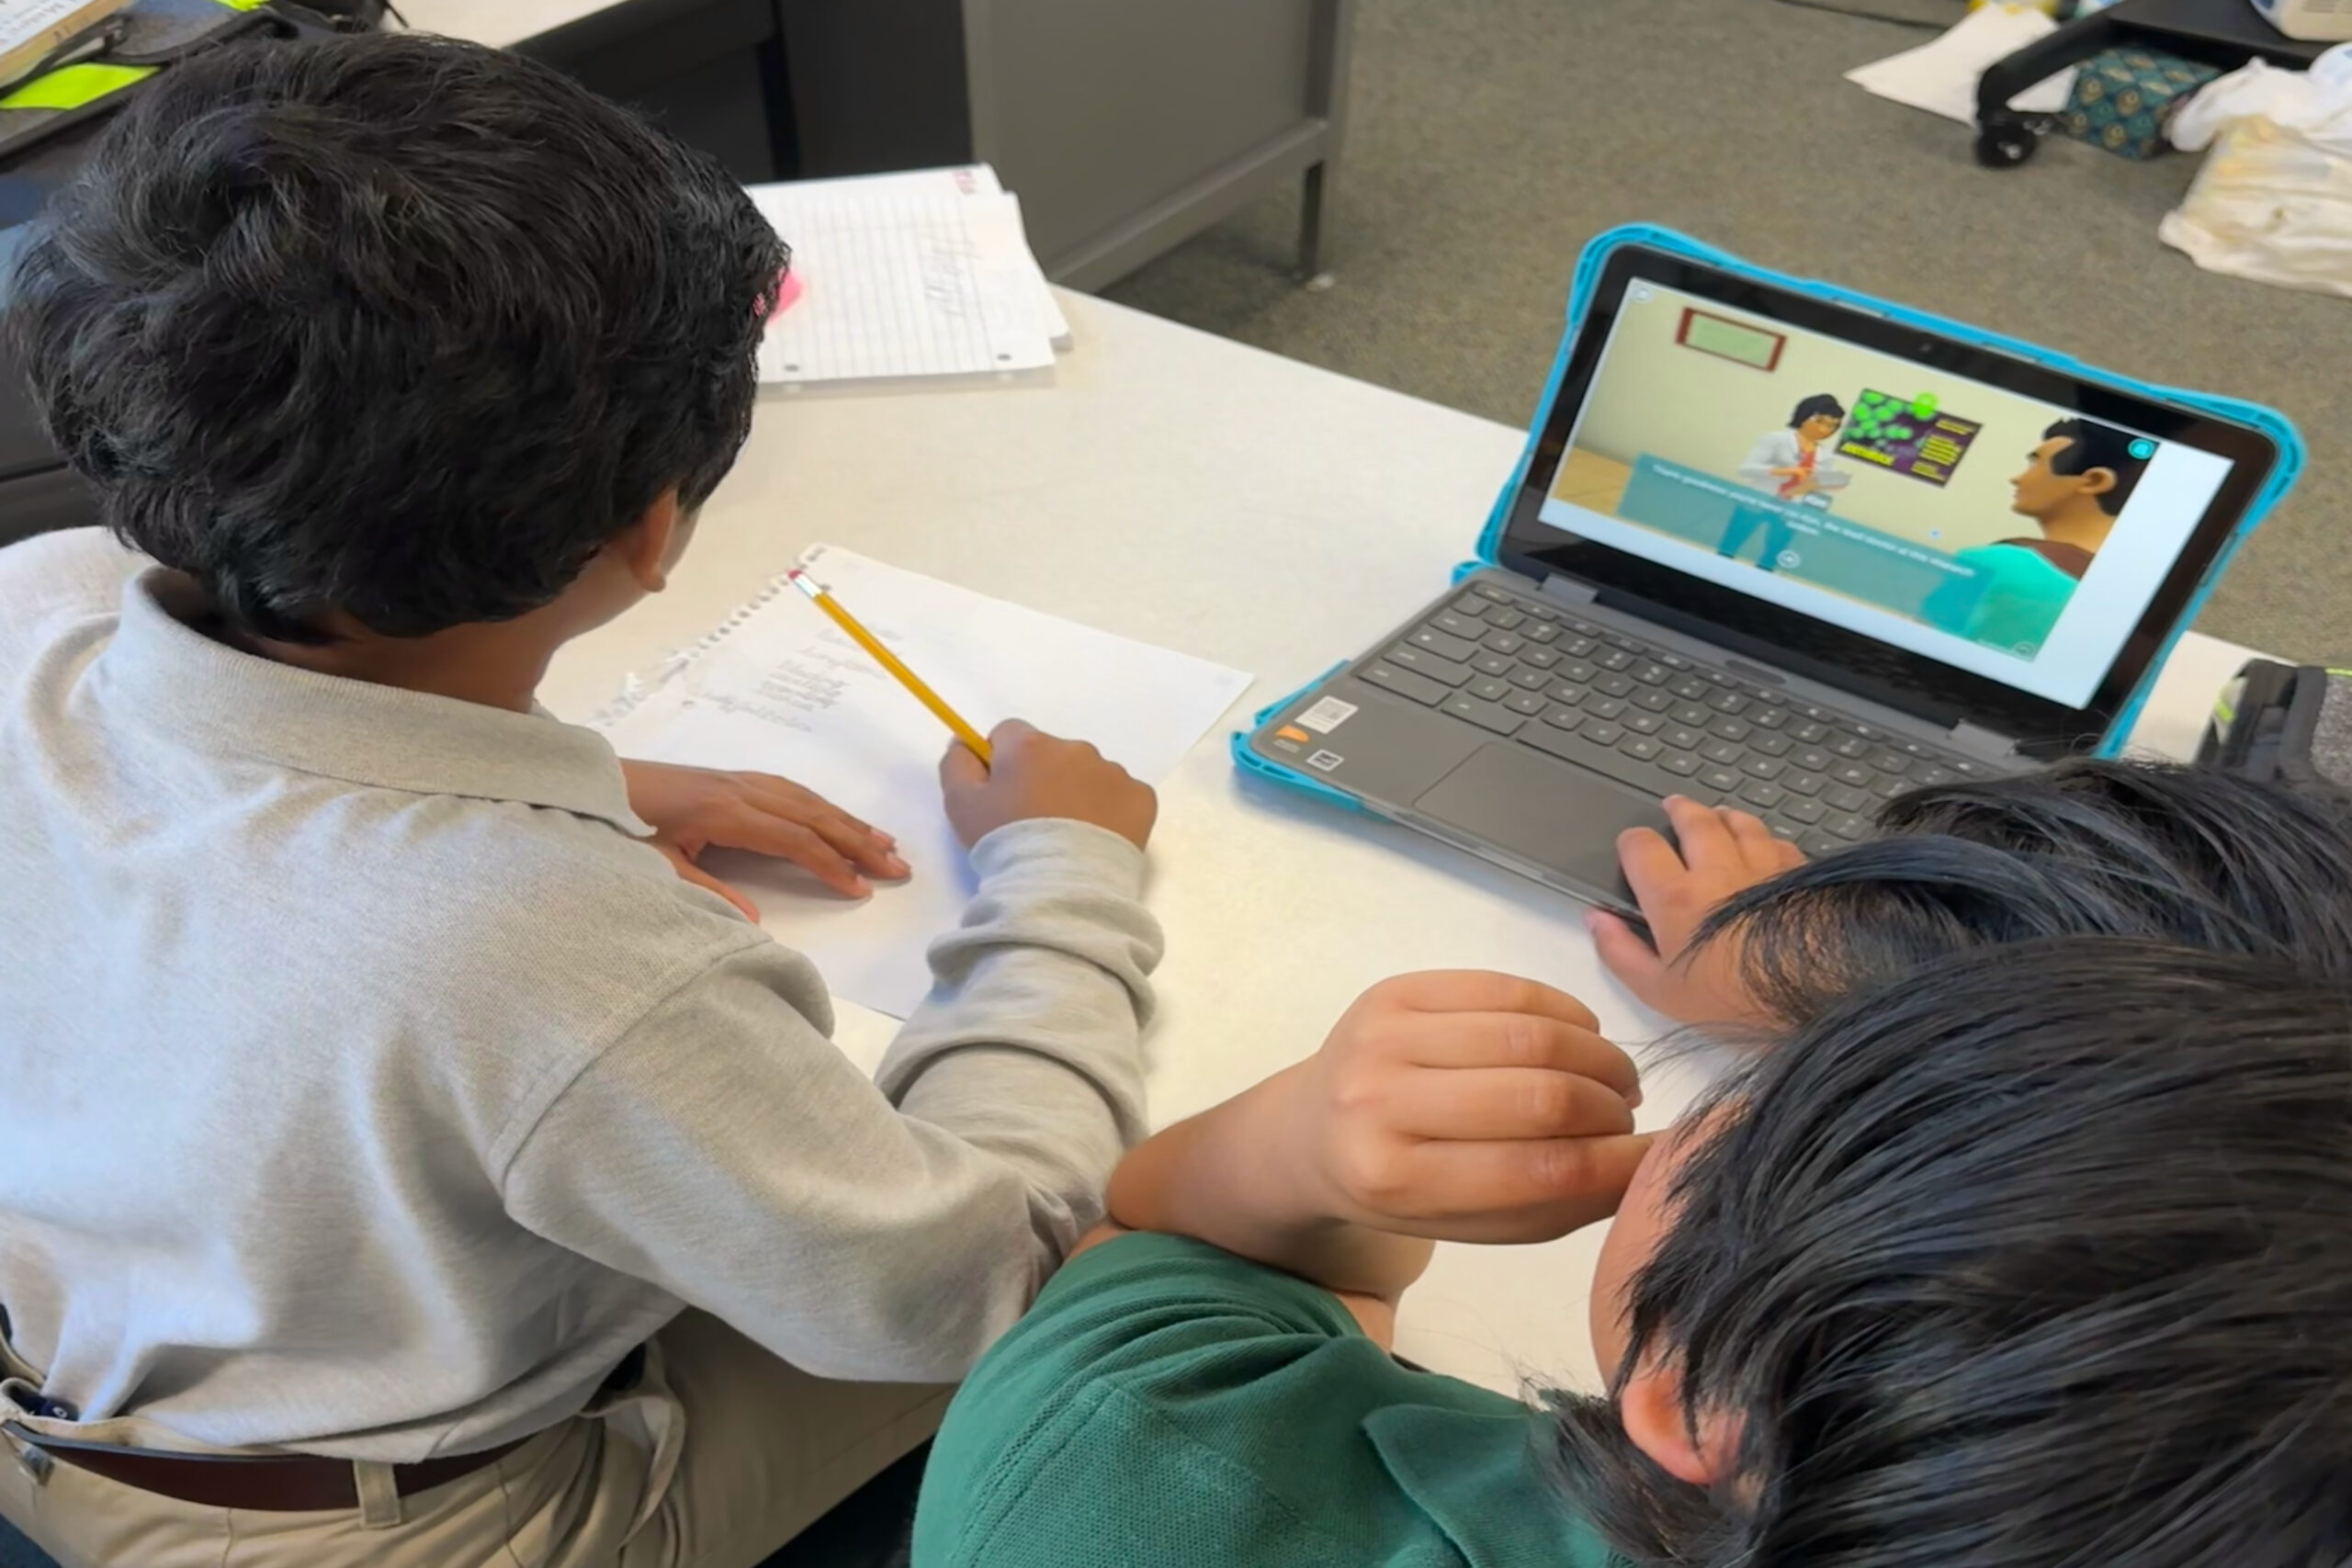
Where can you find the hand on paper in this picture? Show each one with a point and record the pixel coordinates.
(1721, 852)
(1039, 775)
(1467, 1106)
(694, 809)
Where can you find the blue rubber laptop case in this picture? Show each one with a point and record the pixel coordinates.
(1589, 269)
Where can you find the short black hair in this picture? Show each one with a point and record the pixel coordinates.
(391, 325)
(1819, 403)
(2097, 445)
(2091, 847)
(2036, 1260)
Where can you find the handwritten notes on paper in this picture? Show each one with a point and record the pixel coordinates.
(780, 690)
(905, 276)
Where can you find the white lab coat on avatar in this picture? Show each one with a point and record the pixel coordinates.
(1778, 449)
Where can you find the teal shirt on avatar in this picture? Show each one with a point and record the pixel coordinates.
(2010, 603)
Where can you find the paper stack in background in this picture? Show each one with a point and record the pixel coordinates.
(927, 273)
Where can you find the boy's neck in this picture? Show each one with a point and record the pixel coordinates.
(447, 664)
(497, 663)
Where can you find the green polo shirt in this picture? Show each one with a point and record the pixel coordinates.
(1168, 1405)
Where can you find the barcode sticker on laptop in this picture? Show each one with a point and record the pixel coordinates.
(1328, 716)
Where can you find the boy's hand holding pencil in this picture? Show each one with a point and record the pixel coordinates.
(1019, 773)
(1035, 776)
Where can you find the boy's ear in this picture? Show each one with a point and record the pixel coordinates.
(1650, 1407)
(649, 546)
(2097, 481)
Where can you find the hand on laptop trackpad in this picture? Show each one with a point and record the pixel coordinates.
(1554, 815)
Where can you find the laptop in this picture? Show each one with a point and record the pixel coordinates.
(1774, 548)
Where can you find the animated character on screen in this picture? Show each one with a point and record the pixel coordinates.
(2074, 488)
(1795, 465)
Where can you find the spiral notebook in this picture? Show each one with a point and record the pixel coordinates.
(778, 689)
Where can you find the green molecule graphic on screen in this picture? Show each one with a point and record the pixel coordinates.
(1912, 436)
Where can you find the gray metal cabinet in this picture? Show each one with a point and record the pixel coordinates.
(1127, 126)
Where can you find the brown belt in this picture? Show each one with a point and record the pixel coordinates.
(295, 1484)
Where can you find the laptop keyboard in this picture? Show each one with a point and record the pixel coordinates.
(1606, 700)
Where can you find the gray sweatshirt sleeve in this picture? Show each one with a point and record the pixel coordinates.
(724, 1149)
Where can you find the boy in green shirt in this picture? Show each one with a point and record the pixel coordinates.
(2024, 1249)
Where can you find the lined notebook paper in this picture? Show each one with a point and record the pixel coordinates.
(992, 220)
(901, 277)
(778, 689)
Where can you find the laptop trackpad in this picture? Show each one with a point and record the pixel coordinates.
(1556, 816)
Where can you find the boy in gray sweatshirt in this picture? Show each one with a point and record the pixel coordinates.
(415, 1157)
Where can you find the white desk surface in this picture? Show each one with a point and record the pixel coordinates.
(1209, 497)
(498, 23)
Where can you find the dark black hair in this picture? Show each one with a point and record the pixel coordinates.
(2097, 445)
(393, 326)
(2192, 855)
(1820, 403)
(2036, 1260)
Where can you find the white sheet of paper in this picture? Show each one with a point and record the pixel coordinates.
(896, 283)
(780, 690)
(1940, 77)
(952, 179)
(994, 219)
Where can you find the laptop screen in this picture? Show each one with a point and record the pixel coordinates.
(1925, 523)
(1983, 528)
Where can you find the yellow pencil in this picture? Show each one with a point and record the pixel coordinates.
(891, 662)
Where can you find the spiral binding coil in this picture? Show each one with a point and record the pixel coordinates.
(636, 688)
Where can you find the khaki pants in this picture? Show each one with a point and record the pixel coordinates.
(720, 1455)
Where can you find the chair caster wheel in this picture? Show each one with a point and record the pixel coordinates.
(2003, 146)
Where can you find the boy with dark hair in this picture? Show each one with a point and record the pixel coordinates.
(1744, 931)
(2026, 1261)
(2104, 465)
(2025, 1251)
(409, 1164)
(2074, 488)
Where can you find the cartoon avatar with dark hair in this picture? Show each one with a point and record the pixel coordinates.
(1793, 465)
(2074, 487)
